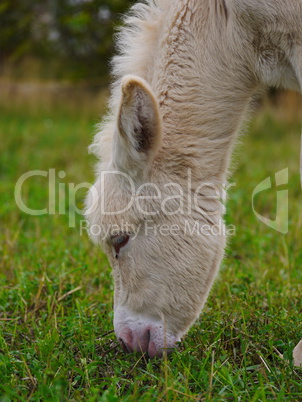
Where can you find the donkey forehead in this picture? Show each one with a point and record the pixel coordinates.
(124, 222)
(117, 188)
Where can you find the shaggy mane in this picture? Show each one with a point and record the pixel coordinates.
(135, 43)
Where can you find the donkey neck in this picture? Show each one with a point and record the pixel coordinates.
(203, 87)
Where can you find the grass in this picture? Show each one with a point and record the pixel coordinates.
(56, 333)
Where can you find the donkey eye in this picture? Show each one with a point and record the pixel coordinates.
(119, 241)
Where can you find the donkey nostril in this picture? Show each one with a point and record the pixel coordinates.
(124, 346)
(126, 340)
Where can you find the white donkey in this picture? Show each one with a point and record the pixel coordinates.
(184, 78)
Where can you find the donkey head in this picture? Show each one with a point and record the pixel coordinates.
(163, 262)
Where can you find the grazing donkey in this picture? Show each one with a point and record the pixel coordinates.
(184, 78)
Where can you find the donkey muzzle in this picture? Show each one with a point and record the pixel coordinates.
(137, 334)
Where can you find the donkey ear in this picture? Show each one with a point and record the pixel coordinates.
(139, 124)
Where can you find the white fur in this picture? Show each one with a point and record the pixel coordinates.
(193, 66)
(297, 354)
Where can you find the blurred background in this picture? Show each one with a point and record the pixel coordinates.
(52, 48)
(58, 39)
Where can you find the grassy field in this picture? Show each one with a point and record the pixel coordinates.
(56, 333)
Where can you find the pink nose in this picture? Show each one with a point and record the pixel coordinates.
(142, 342)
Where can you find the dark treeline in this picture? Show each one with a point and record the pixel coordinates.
(75, 36)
